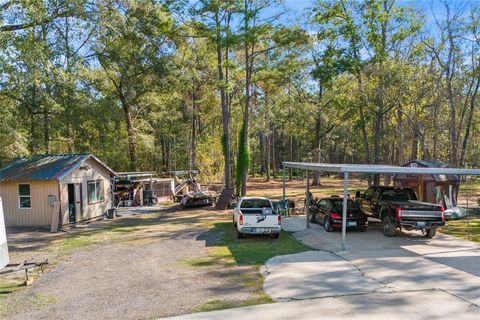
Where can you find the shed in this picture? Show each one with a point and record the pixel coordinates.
(75, 187)
(433, 188)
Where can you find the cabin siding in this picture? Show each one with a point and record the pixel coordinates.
(40, 214)
(81, 176)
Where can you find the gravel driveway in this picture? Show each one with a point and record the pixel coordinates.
(140, 273)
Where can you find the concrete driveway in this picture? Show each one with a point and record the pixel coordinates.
(408, 261)
(408, 276)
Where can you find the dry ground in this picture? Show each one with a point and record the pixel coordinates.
(160, 263)
(134, 267)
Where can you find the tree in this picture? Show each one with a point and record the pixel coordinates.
(133, 50)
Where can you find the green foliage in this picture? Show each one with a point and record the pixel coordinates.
(73, 70)
(243, 158)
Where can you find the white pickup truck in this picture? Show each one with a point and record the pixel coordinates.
(255, 215)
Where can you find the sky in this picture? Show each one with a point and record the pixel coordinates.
(431, 8)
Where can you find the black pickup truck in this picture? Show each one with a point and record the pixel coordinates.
(400, 208)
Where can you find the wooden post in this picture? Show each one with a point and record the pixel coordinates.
(420, 187)
(55, 217)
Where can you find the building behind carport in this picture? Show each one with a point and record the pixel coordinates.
(433, 188)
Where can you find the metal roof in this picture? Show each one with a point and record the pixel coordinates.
(375, 168)
(452, 178)
(46, 167)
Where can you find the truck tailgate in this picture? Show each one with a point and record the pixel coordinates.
(421, 214)
(255, 218)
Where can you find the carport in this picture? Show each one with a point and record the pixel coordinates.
(346, 169)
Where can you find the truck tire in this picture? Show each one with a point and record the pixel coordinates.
(239, 235)
(389, 227)
(234, 222)
(312, 218)
(430, 233)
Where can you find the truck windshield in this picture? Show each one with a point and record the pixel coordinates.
(255, 203)
(399, 195)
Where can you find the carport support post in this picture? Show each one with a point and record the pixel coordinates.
(307, 200)
(283, 186)
(344, 211)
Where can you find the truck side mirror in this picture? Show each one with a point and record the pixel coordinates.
(357, 194)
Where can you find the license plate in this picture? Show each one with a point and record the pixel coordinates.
(421, 224)
(351, 224)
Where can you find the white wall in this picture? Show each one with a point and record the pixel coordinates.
(81, 176)
(3, 240)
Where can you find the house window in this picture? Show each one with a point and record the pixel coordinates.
(24, 196)
(95, 191)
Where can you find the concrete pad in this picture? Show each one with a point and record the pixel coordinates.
(408, 261)
(294, 224)
(314, 274)
(429, 304)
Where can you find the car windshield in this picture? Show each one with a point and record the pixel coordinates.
(255, 203)
(399, 195)
(351, 205)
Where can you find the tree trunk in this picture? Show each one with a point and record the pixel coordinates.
(224, 101)
(318, 139)
(400, 141)
(267, 156)
(261, 148)
(469, 123)
(132, 138)
(46, 131)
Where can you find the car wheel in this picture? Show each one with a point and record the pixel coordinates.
(389, 227)
(276, 235)
(327, 225)
(312, 218)
(233, 220)
(430, 233)
(239, 235)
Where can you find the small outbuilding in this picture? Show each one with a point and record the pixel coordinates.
(54, 190)
(433, 188)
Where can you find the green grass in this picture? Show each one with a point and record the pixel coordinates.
(252, 251)
(12, 306)
(9, 286)
(458, 228)
(216, 304)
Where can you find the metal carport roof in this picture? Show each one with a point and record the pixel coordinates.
(366, 168)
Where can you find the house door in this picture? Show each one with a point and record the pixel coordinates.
(78, 201)
(71, 203)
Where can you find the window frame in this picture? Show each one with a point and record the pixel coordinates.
(95, 190)
(20, 196)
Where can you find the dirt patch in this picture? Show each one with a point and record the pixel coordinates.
(130, 268)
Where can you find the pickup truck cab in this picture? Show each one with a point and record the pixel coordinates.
(255, 215)
(400, 208)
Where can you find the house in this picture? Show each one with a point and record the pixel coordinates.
(433, 188)
(78, 186)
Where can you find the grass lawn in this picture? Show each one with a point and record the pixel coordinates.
(229, 252)
(458, 228)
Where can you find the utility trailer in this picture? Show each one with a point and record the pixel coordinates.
(189, 193)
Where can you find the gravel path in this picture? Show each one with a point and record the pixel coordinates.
(142, 274)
